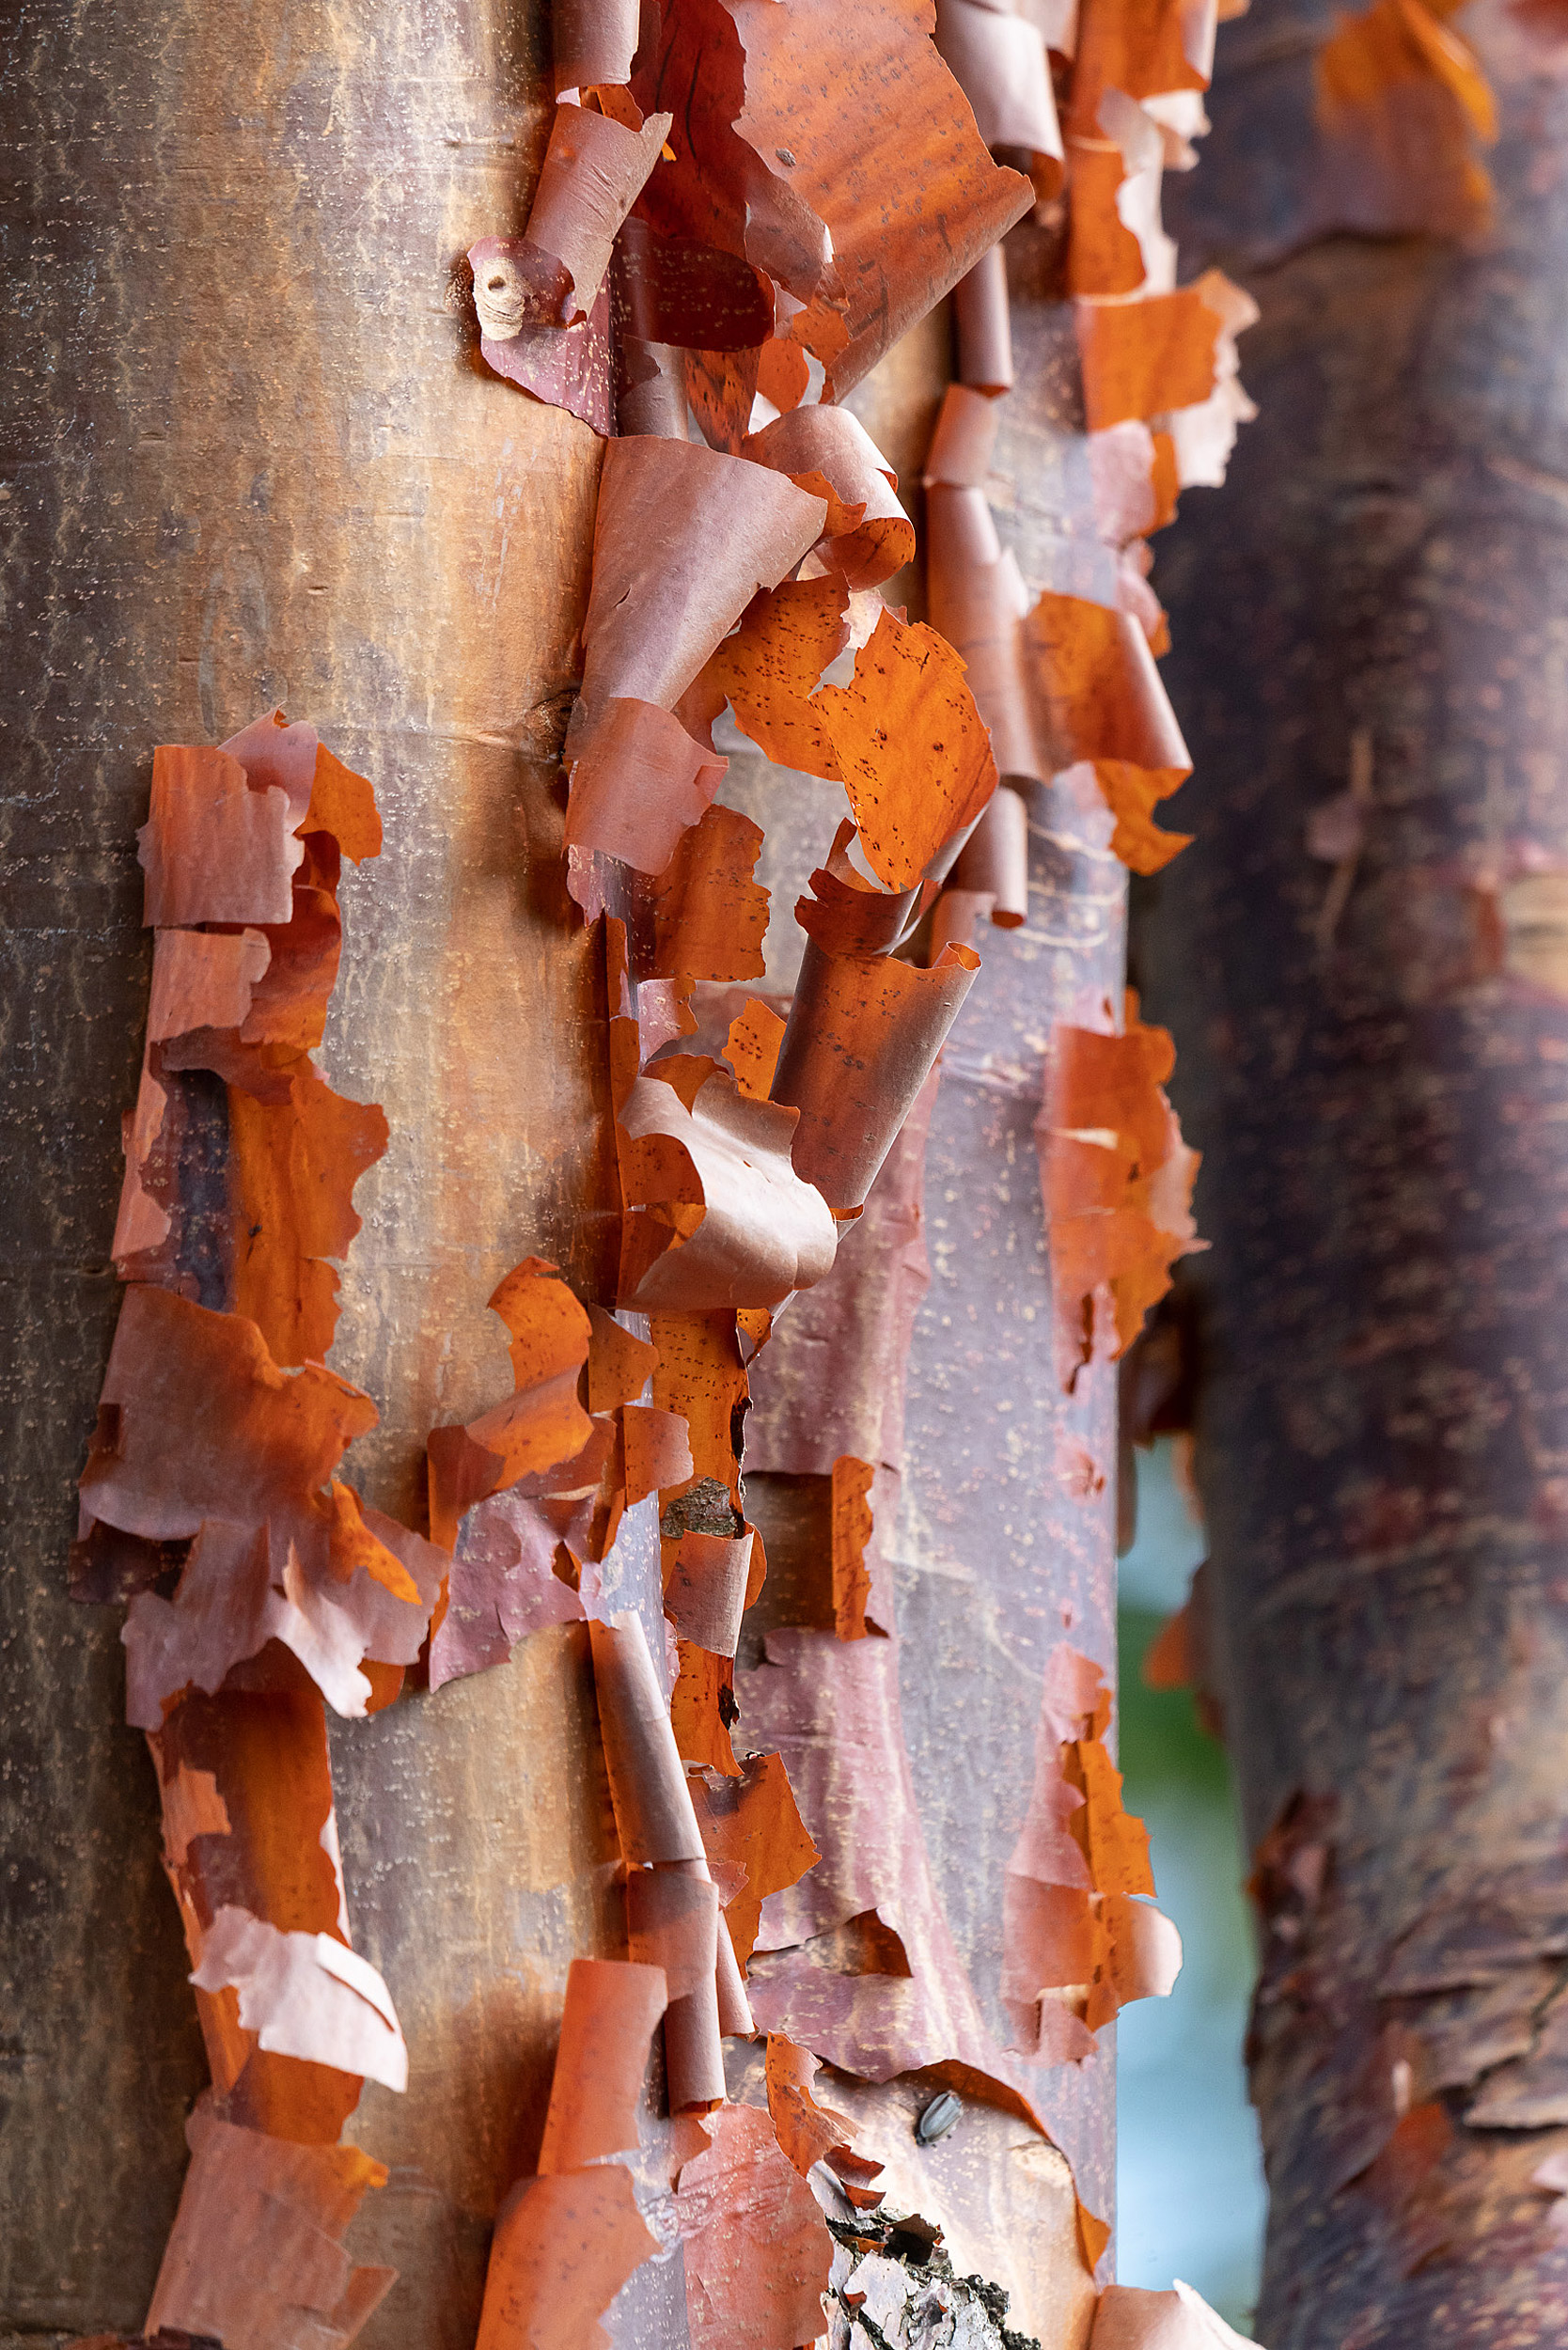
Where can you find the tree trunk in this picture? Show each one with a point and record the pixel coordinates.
(251, 460)
(1364, 961)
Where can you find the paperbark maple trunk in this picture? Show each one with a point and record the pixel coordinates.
(1374, 1059)
(250, 459)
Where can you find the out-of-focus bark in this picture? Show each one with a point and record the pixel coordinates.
(1369, 625)
(250, 459)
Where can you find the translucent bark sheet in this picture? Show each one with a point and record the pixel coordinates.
(888, 196)
(863, 1034)
(998, 58)
(255, 2257)
(717, 1216)
(684, 539)
(868, 535)
(856, 1961)
(757, 2247)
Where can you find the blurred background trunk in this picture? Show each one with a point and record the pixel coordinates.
(1365, 962)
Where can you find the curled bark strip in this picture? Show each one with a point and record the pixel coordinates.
(998, 60)
(993, 862)
(592, 41)
(965, 440)
(864, 1031)
(254, 2258)
(672, 1915)
(984, 326)
(592, 174)
(705, 1590)
(848, 915)
(829, 444)
(684, 539)
(564, 2245)
(213, 849)
(648, 1782)
(203, 980)
(717, 1214)
(611, 2010)
(292, 1167)
(977, 601)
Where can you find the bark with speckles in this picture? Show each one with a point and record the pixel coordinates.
(1381, 1100)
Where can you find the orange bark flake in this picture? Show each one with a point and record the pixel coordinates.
(852, 1531)
(292, 1167)
(710, 912)
(1402, 104)
(911, 747)
(808, 2133)
(1140, 358)
(751, 1048)
(753, 1833)
(1116, 1180)
(773, 665)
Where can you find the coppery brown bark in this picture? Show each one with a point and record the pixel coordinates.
(1373, 1046)
(252, 460)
